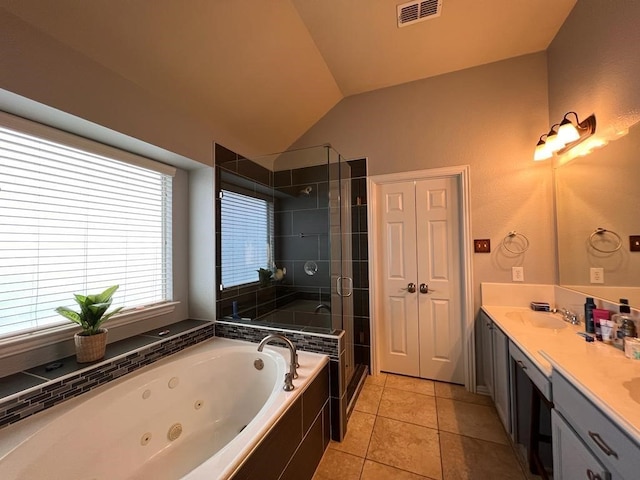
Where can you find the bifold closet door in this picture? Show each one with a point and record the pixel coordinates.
(399, 342)
(421, 325)
(438, 258)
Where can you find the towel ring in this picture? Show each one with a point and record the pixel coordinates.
(508, 239)
(602, 231)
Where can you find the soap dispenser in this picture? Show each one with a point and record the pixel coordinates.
(588, 315)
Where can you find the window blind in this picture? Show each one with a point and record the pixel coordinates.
(247, 230)
(72, 221)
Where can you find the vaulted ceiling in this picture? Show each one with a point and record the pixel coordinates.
(269, 69)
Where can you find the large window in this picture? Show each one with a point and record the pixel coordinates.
(247, 230)
(75, 218)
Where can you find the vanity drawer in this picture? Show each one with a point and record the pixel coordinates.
(618, 452)
(538, 378)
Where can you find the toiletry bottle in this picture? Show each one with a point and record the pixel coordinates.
(624, 324)
(588, 315)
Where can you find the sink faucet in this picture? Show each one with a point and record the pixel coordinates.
(288, 377)
(569, 316)
(322, 306)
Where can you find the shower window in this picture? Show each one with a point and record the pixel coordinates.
(246, 240)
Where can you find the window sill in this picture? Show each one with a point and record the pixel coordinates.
(31, 341)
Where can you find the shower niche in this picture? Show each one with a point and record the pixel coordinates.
(284, 242)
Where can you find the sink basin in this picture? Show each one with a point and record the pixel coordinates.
(538, 319)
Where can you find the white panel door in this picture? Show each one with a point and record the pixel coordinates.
(438, 248)
(399, 345)
(421, 328)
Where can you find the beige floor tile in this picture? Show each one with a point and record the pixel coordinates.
(409, 407)
(378, 471)
(369, 399)
(337, 465)
(410, 384)
(458, 392)
(465, 458)
(477, 421)
(359, 430)
(379, 379)
(406, 446)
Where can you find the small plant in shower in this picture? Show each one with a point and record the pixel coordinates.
(264, 276)
(91, 342)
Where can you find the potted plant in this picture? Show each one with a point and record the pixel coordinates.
(91, 342)
(264, 275)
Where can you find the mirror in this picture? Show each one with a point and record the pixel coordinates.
(601, 190)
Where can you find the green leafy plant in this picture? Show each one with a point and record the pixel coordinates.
(264, 276)
(92, 310)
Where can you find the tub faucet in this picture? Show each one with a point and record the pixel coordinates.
(288, 377)
(322, 306)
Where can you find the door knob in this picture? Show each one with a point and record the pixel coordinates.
(424, 288)
(411, 288)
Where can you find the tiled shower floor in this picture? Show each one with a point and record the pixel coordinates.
(409, 429)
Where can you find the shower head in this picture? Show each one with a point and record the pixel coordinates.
(306, 190)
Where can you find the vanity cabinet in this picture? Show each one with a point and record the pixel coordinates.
(607, 445)
(496, 368)
(572, 460)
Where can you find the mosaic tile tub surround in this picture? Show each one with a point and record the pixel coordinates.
(56, 382)
(330, 345)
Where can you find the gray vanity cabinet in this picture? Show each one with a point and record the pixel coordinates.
(572, 460)
(615, 451)
(497, 378)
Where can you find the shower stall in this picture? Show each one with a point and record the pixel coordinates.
(285, 220)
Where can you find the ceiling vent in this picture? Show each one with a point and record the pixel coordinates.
(414, 12)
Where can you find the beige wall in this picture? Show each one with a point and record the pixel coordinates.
(40, 68)
(488, 117)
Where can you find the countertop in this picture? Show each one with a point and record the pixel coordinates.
(600, 371)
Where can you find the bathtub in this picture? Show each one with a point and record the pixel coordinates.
(197, 414)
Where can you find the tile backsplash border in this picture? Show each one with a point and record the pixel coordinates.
(46, 395)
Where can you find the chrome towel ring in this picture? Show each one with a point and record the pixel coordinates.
(518, 239)
(599, 233)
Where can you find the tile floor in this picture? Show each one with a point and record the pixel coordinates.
(410, 429)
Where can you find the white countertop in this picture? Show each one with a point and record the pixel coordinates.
(600, 371)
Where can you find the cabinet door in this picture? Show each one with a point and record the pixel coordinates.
(501, 380)
(487, 352)
(572, 460)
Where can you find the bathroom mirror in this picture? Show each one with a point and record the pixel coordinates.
(600, 190)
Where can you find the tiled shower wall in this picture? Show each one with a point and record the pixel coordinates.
(360, 251)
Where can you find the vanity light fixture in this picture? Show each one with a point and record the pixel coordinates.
(553, 140)
(567, 136)
(543, 152)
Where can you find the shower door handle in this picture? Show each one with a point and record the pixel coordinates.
(339, 287)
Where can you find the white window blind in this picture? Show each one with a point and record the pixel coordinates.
(247, 230)
(73, 221)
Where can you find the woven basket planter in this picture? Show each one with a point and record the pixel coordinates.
(90, 348)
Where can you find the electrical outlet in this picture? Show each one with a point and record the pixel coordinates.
(517, 274)
(596, 275)
(482, 245)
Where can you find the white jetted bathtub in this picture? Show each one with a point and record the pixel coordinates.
(195, 415)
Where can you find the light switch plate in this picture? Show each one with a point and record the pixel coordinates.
(482, 245)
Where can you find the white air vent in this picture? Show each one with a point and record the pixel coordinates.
(414, 12)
